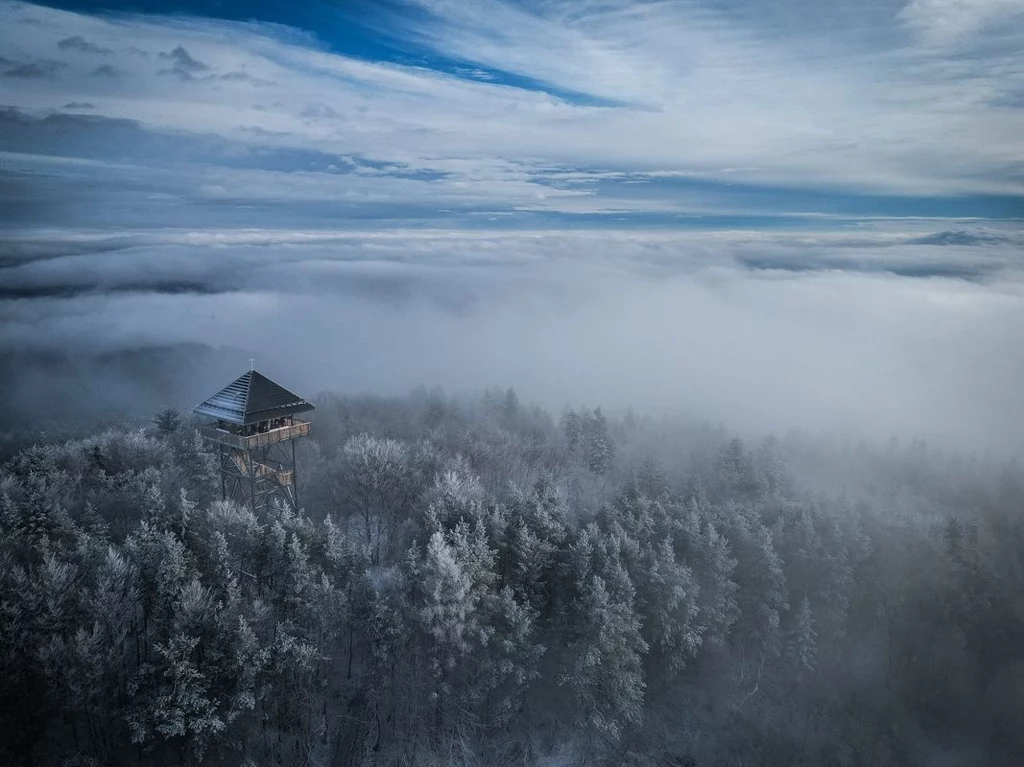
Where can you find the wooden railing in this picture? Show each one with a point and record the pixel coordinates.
(239, 442)
(283, 476)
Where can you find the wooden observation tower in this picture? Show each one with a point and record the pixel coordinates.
(255, 432)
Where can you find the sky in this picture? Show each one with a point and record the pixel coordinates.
(769, 213)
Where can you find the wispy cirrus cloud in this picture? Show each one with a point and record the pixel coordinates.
(952, 22)
(573, 94)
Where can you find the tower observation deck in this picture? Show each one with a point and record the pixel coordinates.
(254, 429)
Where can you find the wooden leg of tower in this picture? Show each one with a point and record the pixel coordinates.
(252, 482)
(295, 480)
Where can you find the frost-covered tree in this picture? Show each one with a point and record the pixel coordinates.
(708, 554)
(197, 468)
(572, 429)
(668, 597)
(604, 660)
(651, 481)
(598, 446)
(761, 595)
(735, 475)
(377, 483)
(167, 422)
(510, 408)
(803, 641)
(529, 532)
(173, 699)
(452, 584)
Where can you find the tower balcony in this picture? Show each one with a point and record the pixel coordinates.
(252, 441)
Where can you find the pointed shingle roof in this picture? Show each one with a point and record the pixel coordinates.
(251, 398)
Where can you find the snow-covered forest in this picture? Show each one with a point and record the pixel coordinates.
(473, 581)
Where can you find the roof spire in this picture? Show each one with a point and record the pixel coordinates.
(252, 362)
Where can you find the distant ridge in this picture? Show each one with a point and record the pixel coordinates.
(962, 237)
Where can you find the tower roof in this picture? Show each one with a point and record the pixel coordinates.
(251, 398)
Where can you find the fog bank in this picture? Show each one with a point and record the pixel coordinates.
(875, 333)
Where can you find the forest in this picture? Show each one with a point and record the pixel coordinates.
(473, 581)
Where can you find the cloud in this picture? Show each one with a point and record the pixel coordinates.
(662, 321)
(688, 83)
(245, 77)
(36, 70)
(951, 21)
(319, 111)
(166, 260)
(183, 64)
(80, 44)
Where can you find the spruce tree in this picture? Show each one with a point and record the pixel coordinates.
(599, 449)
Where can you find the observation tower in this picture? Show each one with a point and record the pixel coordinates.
(255, 429)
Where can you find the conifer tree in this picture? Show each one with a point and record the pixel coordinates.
(598, 446)
(651, 481)
(803, 642)
(603, 667)
(167, 422)
(572, 428)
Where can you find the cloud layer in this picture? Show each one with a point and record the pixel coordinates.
(762, 332)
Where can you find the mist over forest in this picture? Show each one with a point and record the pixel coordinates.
(476, 581)
(666, 363)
